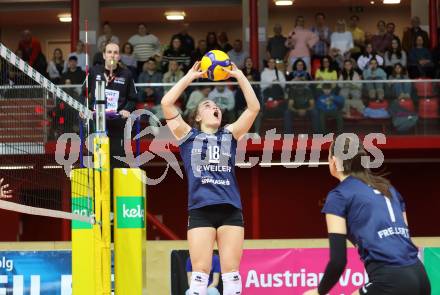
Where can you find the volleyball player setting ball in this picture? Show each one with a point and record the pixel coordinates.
(215, 211)
(369, 211)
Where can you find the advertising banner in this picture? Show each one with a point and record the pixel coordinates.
(35, 273)
(432, 265)
(294, 271)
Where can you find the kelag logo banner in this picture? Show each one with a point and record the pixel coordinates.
(42, 272)
(294, 271)
(130, 212)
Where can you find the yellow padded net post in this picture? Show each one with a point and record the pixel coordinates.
(84, 247)
(130, 231)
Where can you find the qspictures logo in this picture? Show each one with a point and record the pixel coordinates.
(130, 212)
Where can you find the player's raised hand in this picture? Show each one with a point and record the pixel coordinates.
(4, 192)
(196, 72)
(235, 72)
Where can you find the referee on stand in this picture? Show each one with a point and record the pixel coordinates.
(120, 99)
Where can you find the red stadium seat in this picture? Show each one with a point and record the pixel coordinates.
(273, 104)
(316, 64)
(376, 104)
(428, 108)
(407, 104)
(424, 89)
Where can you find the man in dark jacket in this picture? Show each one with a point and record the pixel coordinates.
(121, 98)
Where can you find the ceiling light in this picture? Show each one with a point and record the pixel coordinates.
(391, 1)
(65, 17)
(371, 2)
(283, 2)
(175, 15)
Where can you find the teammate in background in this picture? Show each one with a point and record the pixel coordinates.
(121, 97)
(4, 192)
(215, 211)
(367, 210)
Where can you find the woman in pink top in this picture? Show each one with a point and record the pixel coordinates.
(300, 41)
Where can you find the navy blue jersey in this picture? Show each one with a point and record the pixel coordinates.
(375, 224)
(209, 161)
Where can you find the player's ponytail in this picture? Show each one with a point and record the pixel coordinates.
(354, 168)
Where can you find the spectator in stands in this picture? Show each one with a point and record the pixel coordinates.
(186, 40)
(15, 77)
(420, 61)
(74, 73)
(223, 42)
(400, 90)
(382, 40)
(224, 99)
(323, 32)
(391, 29)
(299, 73)
(394, 55)
(326, 72)
(276, 47)
(252, 75)
(173, 74)
(366, 56)
(200, 51)
(374, 72)
(73, 76)
(145, 45)
(300, 104)
(329, 105)
(350, 91)
(150, 75)
(249, 70)
(177, 53)
(30, 48)
(410, 35)
(300, 41)
(269, 75)
(358, 37)
(341, 43)
(106, 37)
(237, 55)
(273, 83)
(211, 41)
(56, 66)
(214, 275)
(80, 55)
(195, 98)
(436, 60)
(127, 58)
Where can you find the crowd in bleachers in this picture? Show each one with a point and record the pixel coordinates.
(346, 55)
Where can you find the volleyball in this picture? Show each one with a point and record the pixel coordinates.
(213, 62)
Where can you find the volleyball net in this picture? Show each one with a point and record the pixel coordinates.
(34, 113)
